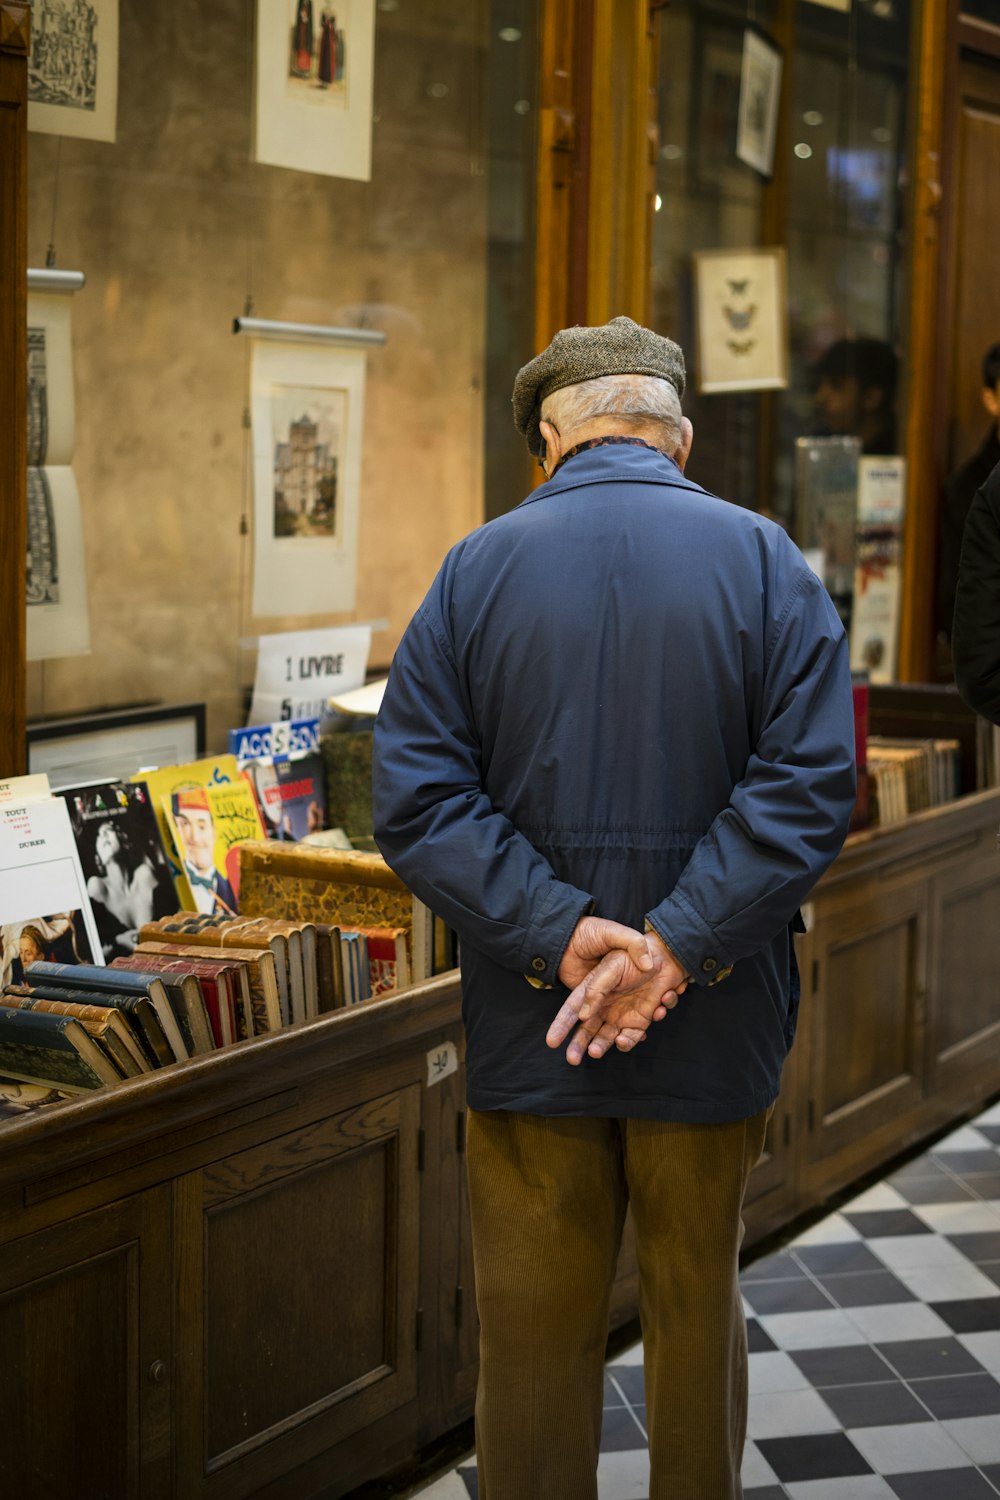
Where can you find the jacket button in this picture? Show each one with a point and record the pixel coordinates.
(539, 965)
(709, 965)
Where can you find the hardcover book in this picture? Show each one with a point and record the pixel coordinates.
(123, 859)
(116, 982)
(52, 1050)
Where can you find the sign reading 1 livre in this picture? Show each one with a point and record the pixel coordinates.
(299, 670)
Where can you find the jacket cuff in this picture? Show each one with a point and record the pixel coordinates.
(549, 932)
(690, 940)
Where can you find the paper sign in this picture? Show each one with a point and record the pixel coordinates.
(300, 670)
(441, 1061)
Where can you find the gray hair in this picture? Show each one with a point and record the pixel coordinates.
(636, 400)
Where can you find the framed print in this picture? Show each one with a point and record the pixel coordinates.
(115, 746)
(73, 68)
(760, 94)
(307, 413)
(741, 318)
(313, 99)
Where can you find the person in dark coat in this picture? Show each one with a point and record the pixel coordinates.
(616, 750)
(976, 630)
(958, 496)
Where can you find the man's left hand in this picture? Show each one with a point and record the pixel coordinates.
(617, 1001)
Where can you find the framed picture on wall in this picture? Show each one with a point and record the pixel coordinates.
(115, 745)
(760, 94)
(741, 320)
(73, 68)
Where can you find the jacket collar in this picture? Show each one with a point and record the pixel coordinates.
(615, 464)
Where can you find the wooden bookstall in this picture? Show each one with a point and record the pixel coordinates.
(261, 1257)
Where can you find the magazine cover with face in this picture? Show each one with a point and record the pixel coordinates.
(121, 852)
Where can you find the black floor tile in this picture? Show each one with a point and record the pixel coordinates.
(769, 1492)
(883, 1405)
(992, 1472)
(965, 1162)
(990, 1268)
(917, 1359)
(935, 1190)
(985, 1185)
(772, 1268)
(758, 1342)
(991, 1132)
(970, 1315)
(826, 1455)
(786, 1297)
(978, 1247)
(833, 1260)
(620, 1431)
(866, 1289)
(942, 1484)
(887, 1221)
(851, 1364)
(632, 1380)
(924, 1166)
(959, 1396)
(471, 1480)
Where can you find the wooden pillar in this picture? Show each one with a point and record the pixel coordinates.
(15, 30)
(934, 55)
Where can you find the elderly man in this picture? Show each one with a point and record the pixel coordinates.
(615, 752)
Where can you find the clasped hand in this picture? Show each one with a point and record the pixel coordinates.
(620, 982)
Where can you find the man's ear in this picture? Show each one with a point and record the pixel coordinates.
(553, 444)
(683, 449)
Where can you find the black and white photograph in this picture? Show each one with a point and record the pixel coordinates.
(128, 878)
(73, 68)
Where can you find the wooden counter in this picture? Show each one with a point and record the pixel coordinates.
(250, 1274)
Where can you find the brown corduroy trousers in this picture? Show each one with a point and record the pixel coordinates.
(548, 1198)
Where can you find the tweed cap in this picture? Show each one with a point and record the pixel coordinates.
(620, 347)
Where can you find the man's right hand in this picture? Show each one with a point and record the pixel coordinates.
(619, 997)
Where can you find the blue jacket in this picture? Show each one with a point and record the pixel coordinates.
(625, 696)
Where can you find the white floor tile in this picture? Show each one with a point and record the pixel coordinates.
(966, 1138)
(623, 1476)
(889, 1322)
(878, 1197)
(756, 1471)
(989, 1116)
(855, 1487)
(630, 1356)
(789, 1414)
(947, 1283)
(775, 1372)
(909, 1448)
(959, 1218)
(983, 1346)
(833, 1230)
(812, 1330)
(978, 1436)
(902, 1252)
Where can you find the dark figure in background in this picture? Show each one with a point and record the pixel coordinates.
(976, 631)
(854, 384)
(616, 750)
(957, 498)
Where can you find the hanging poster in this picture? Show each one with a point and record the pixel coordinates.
(73, 68)
(740, 302)
(313, 100)
(307, 412)
(58, 621)
(760, 94)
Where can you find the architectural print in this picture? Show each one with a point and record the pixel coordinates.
(73, 68)
(309, 426)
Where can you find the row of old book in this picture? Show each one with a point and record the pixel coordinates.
(193, 984)
(907, 776)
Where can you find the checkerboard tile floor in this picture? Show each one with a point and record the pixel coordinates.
(874, 1348)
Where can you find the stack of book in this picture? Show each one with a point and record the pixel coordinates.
(910, 776)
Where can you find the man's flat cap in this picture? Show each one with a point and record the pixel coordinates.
(620, 347)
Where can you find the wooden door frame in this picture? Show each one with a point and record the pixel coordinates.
(15, 33)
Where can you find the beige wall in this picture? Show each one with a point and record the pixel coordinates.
(168, 223)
